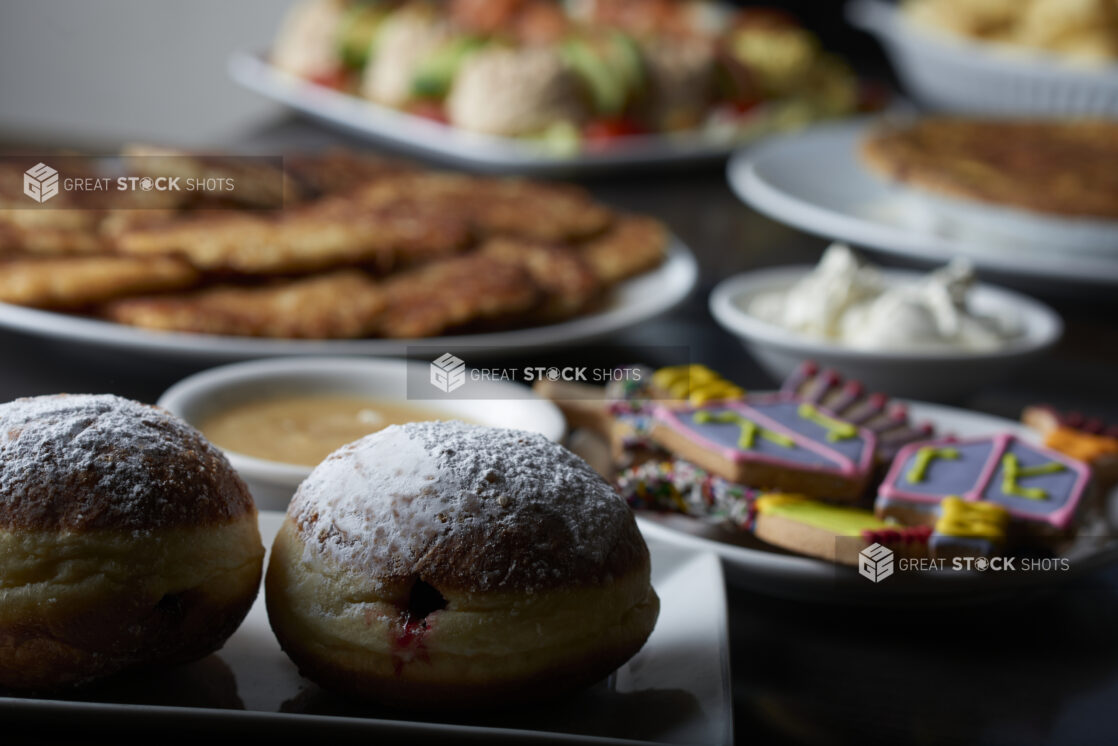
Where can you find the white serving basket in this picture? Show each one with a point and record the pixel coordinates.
(958, 75)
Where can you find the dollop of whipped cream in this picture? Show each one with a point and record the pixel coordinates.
(848, 302)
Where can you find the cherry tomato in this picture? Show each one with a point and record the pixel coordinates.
(739, 109)
(335, 79)
(744, 105)
(429, 109)
(606, 130)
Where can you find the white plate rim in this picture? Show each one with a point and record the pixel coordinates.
(726, 312)
(705, 562)
(746, 181)
(761, 567)
(660, 290)
(483, 152)
(1086, 236)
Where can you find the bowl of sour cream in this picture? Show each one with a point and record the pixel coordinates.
(938, 335)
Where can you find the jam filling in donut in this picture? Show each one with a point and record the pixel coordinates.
(423, 601)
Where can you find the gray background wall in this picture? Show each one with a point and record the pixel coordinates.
(89, 71)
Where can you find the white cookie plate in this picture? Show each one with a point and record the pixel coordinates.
(750, 563)
(676, 690)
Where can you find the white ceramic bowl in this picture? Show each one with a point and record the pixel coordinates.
(960, 75)
(912, 374)
(273, 483)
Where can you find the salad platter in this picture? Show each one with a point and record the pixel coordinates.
(543, 88)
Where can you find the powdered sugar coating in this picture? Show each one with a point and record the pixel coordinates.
(466, 507)
(80, 462)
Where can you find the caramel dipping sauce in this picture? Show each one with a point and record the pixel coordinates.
(304, 430)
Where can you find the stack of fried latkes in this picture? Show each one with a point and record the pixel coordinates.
(353, 246)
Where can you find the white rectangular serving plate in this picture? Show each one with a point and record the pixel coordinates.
(676, 690)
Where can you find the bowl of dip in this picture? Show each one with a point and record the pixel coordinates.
(277, 419)
(937, 336)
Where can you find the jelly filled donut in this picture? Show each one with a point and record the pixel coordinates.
(441, 564)
(126, 540)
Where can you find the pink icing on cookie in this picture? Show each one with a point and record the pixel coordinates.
(837, 462)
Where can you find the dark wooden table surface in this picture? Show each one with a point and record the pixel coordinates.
(1042, 668)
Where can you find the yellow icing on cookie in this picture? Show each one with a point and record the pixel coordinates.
(1013, 471)
(695, 383)
(836, 429)
(924, 457)
(749, 429)
(834, 518)
(957, 517)
(716, 392)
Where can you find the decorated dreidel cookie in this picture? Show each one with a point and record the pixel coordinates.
(630, 431)
(772, 442)
(836, 533)
(888, 420)
(968, 529)
(620, 411)
(590, 406)
(1040, 489)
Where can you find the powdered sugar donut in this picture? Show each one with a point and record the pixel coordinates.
(126, 539)
(443, 564)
